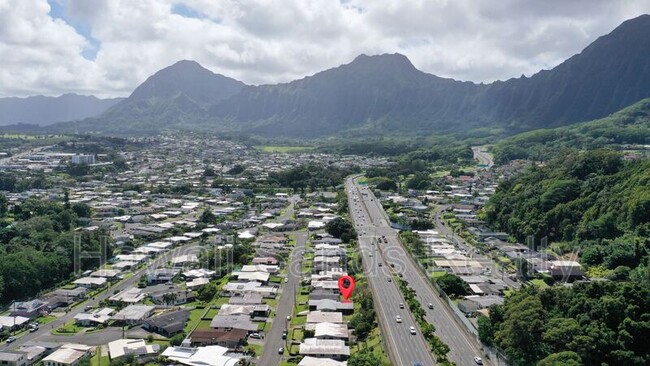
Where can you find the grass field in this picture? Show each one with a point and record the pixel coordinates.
(284, 149)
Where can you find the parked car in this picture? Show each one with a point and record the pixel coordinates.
(11, 339)
(256, 335)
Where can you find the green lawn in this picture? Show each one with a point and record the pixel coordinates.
(195, 318)
(46, 319)
(298, 320)
(98, 360)
(204, 325)
(259, 349)
(68, 329)
(539, 283)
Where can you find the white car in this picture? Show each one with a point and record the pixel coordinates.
(398, 319)
(478, 360)
(412, 330)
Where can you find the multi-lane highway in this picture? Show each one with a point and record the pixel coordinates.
(374, 221)
(403, 347)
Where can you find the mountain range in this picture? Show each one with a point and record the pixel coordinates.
(41, 110)
(386, 94)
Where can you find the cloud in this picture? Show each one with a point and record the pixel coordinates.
(108, 47)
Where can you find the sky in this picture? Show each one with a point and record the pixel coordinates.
(108, 47)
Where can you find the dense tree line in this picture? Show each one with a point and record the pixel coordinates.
(37, 245)
(312, 176)
(593, 323)
(589, 201)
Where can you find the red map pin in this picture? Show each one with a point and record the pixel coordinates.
(346, 286)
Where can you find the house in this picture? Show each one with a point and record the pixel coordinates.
(261, 277)
(64, 297)
(331, 331)
(231, 339)
(109, 274)
(12, 322)
(10, 358)
(129, 295)
(91, 282)
(204, 356)
(318, 361)
(331, 305)
(141, 351)
(161, 275)
(566, 270)
(29, 309)
(185, 260)
(67, 355)
(321, 294)
(323, 317)
(247, 299)
(33, 353)
(197, 283)
(167, 324)
(328, 348)
(229, 322)
(134, 314)
(97, 317)
(241, 288)
(169, 294)
(265, 260)
(254, 311)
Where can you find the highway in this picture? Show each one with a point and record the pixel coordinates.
(483, 157)
(463, 346)
(402, 347)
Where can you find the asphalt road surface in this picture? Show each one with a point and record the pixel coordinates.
(463, 346)
(273, 339)
(403, 347)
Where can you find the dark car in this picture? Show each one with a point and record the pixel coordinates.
(284, 335)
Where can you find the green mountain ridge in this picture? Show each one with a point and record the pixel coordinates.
(383, 94)
(629, 126)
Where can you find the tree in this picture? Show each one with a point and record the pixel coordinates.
(453, 285)
(565, 358)
(207, 292)
(364, 358)
(177, 339)
(208, 217)
(485, 330)
(82, 210)
(338, 227)
(560, 332)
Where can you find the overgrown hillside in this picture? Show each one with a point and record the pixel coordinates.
(628, 126)
(589, 201)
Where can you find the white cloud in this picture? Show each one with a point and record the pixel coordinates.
(259, 41)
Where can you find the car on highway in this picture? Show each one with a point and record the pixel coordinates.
(430, 306)
(281, 350)
(398, 319)
(380, 265)
(412, 330)
(390, 279)
(284, 335)
(478, 360)
(401, 305)
(11, 339)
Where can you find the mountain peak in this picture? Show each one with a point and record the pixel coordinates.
(190, 78)
(389, 60)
